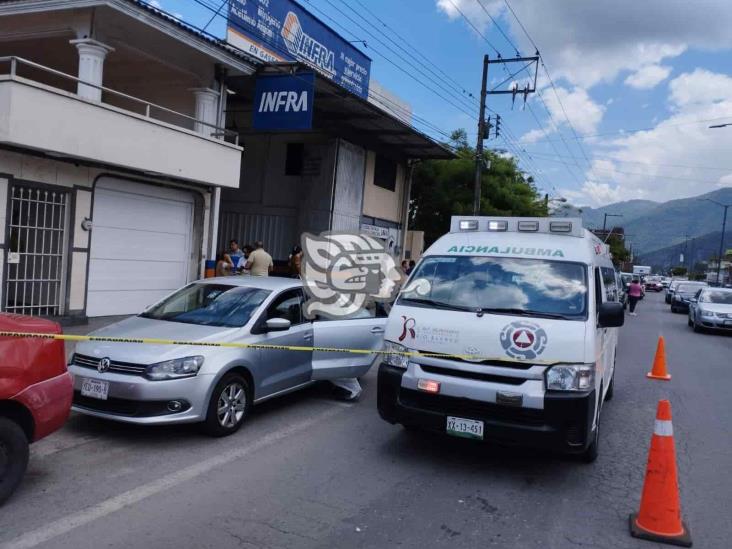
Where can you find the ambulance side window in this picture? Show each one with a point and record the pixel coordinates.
(609, 280)
(598, 289)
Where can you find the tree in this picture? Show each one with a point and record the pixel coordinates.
(443, 188)
(620, 253)
(678, 271)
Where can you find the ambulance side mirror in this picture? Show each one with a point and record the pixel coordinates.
(611, 315)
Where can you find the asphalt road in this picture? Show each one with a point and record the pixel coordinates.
(307, 471)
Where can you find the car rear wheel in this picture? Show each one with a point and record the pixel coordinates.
(228, 407)
(13, 457)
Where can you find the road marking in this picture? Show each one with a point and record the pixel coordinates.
(72, 521)
(58, 442)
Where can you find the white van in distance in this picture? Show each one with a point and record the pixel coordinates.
(527, 310)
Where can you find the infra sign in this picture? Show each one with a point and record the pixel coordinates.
(284, 102)
(282, 30)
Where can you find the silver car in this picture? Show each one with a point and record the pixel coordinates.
(711, 308)
(164, 384)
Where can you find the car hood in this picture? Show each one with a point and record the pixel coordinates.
(147, 353)
(494, 336)
(716, 307)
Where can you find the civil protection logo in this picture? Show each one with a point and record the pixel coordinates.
(523, 340)
(343, 273)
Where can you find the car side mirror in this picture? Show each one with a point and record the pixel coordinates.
(277, 324)
(611, 315)
(693, 300)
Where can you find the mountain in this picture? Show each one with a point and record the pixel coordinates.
(694, 250)
(630, 209)
(654, 226)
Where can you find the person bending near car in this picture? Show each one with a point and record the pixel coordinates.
(635, 293)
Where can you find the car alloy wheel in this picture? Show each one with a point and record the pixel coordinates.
(228, 406)
(231, 405)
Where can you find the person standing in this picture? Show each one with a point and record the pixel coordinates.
(223, 264)
(236, 256)
(295, 262)
(635, 293)
(259, 262)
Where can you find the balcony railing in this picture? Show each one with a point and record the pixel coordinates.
(147, 109)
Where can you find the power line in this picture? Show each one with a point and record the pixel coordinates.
(499, 27)
(612, 159)
(536, 49)
(498, 53)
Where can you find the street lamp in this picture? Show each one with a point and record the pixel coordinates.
(721, 240)
(604, 221)
(720, 125)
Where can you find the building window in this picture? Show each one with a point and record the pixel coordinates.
(385, 172)
(295, 158)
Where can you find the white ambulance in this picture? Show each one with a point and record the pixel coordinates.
(527, 311)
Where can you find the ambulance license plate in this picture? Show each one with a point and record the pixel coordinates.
(94, 388)
(466, 428)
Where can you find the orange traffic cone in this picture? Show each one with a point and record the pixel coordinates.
(659, 363)
(659, 518)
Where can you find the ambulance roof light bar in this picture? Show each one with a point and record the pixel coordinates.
(544, 225)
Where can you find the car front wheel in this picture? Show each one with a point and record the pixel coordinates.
(13, 457)
(229, 406)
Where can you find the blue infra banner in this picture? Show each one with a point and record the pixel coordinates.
(282, 30)
(284, 102)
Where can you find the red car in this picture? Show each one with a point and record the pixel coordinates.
(35, 393)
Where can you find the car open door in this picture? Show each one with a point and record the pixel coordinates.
(362, 331)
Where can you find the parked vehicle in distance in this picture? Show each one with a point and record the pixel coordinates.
(653, 284)
(711, 308)
(641, 270)
(672, 288)
(622, 283)
(535, 301)
(683, 294)
(216, 386)
(665, 281)
(35, 393)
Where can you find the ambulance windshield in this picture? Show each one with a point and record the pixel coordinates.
(500, 284)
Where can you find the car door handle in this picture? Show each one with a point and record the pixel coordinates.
(307, 337)
(377, 330)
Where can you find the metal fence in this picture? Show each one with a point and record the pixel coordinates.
(36, 259)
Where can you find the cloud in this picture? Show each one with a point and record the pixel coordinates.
(584, 113)
(532, 136)
(648, 77)
(591, 42)
(680, 157)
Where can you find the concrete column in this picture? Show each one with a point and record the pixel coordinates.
(91, 66)
(207, 110)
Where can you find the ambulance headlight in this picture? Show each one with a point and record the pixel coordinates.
(570, 377)
(393, 356)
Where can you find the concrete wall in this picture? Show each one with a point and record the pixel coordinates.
(105, 134)
(379, 202)
(79, 181)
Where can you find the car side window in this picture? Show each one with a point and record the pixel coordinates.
(372, 310)
(287, 305)
(598, 289)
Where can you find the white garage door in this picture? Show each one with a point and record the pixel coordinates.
(140, 245)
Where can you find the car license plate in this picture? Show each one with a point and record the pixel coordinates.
(94, 388)
(467, 428)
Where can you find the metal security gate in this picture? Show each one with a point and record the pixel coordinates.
(36, 257)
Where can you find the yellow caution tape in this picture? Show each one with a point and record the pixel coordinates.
(155, 341)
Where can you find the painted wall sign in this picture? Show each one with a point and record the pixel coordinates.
(284, 102)
(282, 30)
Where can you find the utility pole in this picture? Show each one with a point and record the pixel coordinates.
(481, 137)
(604, 220)
(483, 127)
(721, 239)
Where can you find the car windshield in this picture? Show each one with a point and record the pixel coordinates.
(716, 296)
(531, 287)
(209, 305)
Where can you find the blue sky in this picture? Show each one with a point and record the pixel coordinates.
(617, 65)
